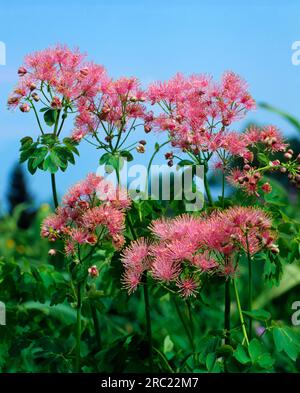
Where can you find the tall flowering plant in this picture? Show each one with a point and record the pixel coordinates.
(182, 254)
(52, 83)
(91, 216)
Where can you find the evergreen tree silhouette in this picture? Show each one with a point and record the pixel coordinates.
(18, 193)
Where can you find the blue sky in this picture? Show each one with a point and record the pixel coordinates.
(151, 40)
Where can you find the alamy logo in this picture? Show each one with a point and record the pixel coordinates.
(2, 53)
(2, 314)
(296, 314)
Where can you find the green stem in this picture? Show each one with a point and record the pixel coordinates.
(78, 329)
(223, 189)
(146, 300)
(148, 320)
(96, 326)
(240, 312)
(182, 319)
(37, 117)
(206, 185)
(250, 284)
(54, 192)
(227, 312)
(150, 163)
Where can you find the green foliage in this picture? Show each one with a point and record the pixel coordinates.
(48, 153)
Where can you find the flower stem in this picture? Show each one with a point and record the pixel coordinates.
(54, 192)
(223, 189)
(206, 185)
(156, 150)
(148, 320)
(96, 326)
(240, 312)
(184, 324)
(146, 301)
(249, 285)
(227, 312)
(78, 329)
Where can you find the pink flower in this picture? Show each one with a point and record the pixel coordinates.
(266, 187)
(187, 287)
(84, 219)
(135, 259)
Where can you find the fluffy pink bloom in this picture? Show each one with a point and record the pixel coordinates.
(135, 261)
(187, 287)
(62, 76)
(270, 136)
(116, 107)
(197, 110)
(84, 219)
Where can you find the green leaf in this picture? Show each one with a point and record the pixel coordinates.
(127, 155)
(185, 163)
(168, 345)
(50, 117)
(26, 142)
(50, 163)
(44, 109)
(26, 154)
(259, 315)
(210, 361)
(105, 158)
(241, 355)
(259, 355)
(39, 156)
(30, 167)
(263, 158)
(284, 342)
(291, 119)
(71, 145)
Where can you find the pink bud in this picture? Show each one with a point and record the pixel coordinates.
(93, 271)
(24, 108)
(52, 252)
(56, 103)
(266, 187)
(22, 71)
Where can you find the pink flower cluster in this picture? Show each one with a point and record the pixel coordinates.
(59, 70)
(187, 247)
(196, 110)
(197, 113)
(92, 209)
(116, 106)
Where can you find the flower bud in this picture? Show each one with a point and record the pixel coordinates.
(170, 163)
(168, 155)
(143, 142)
(32, 86)
(147, 128)
(140, 149)
(24, 108)
(56, 103)
(22, 71)
(247, 167)
(35, 96)
(283, 169)
(266, 187)
(52, 252)
(13, 100)
(93, 271)
(84, 72)
(288, 156)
